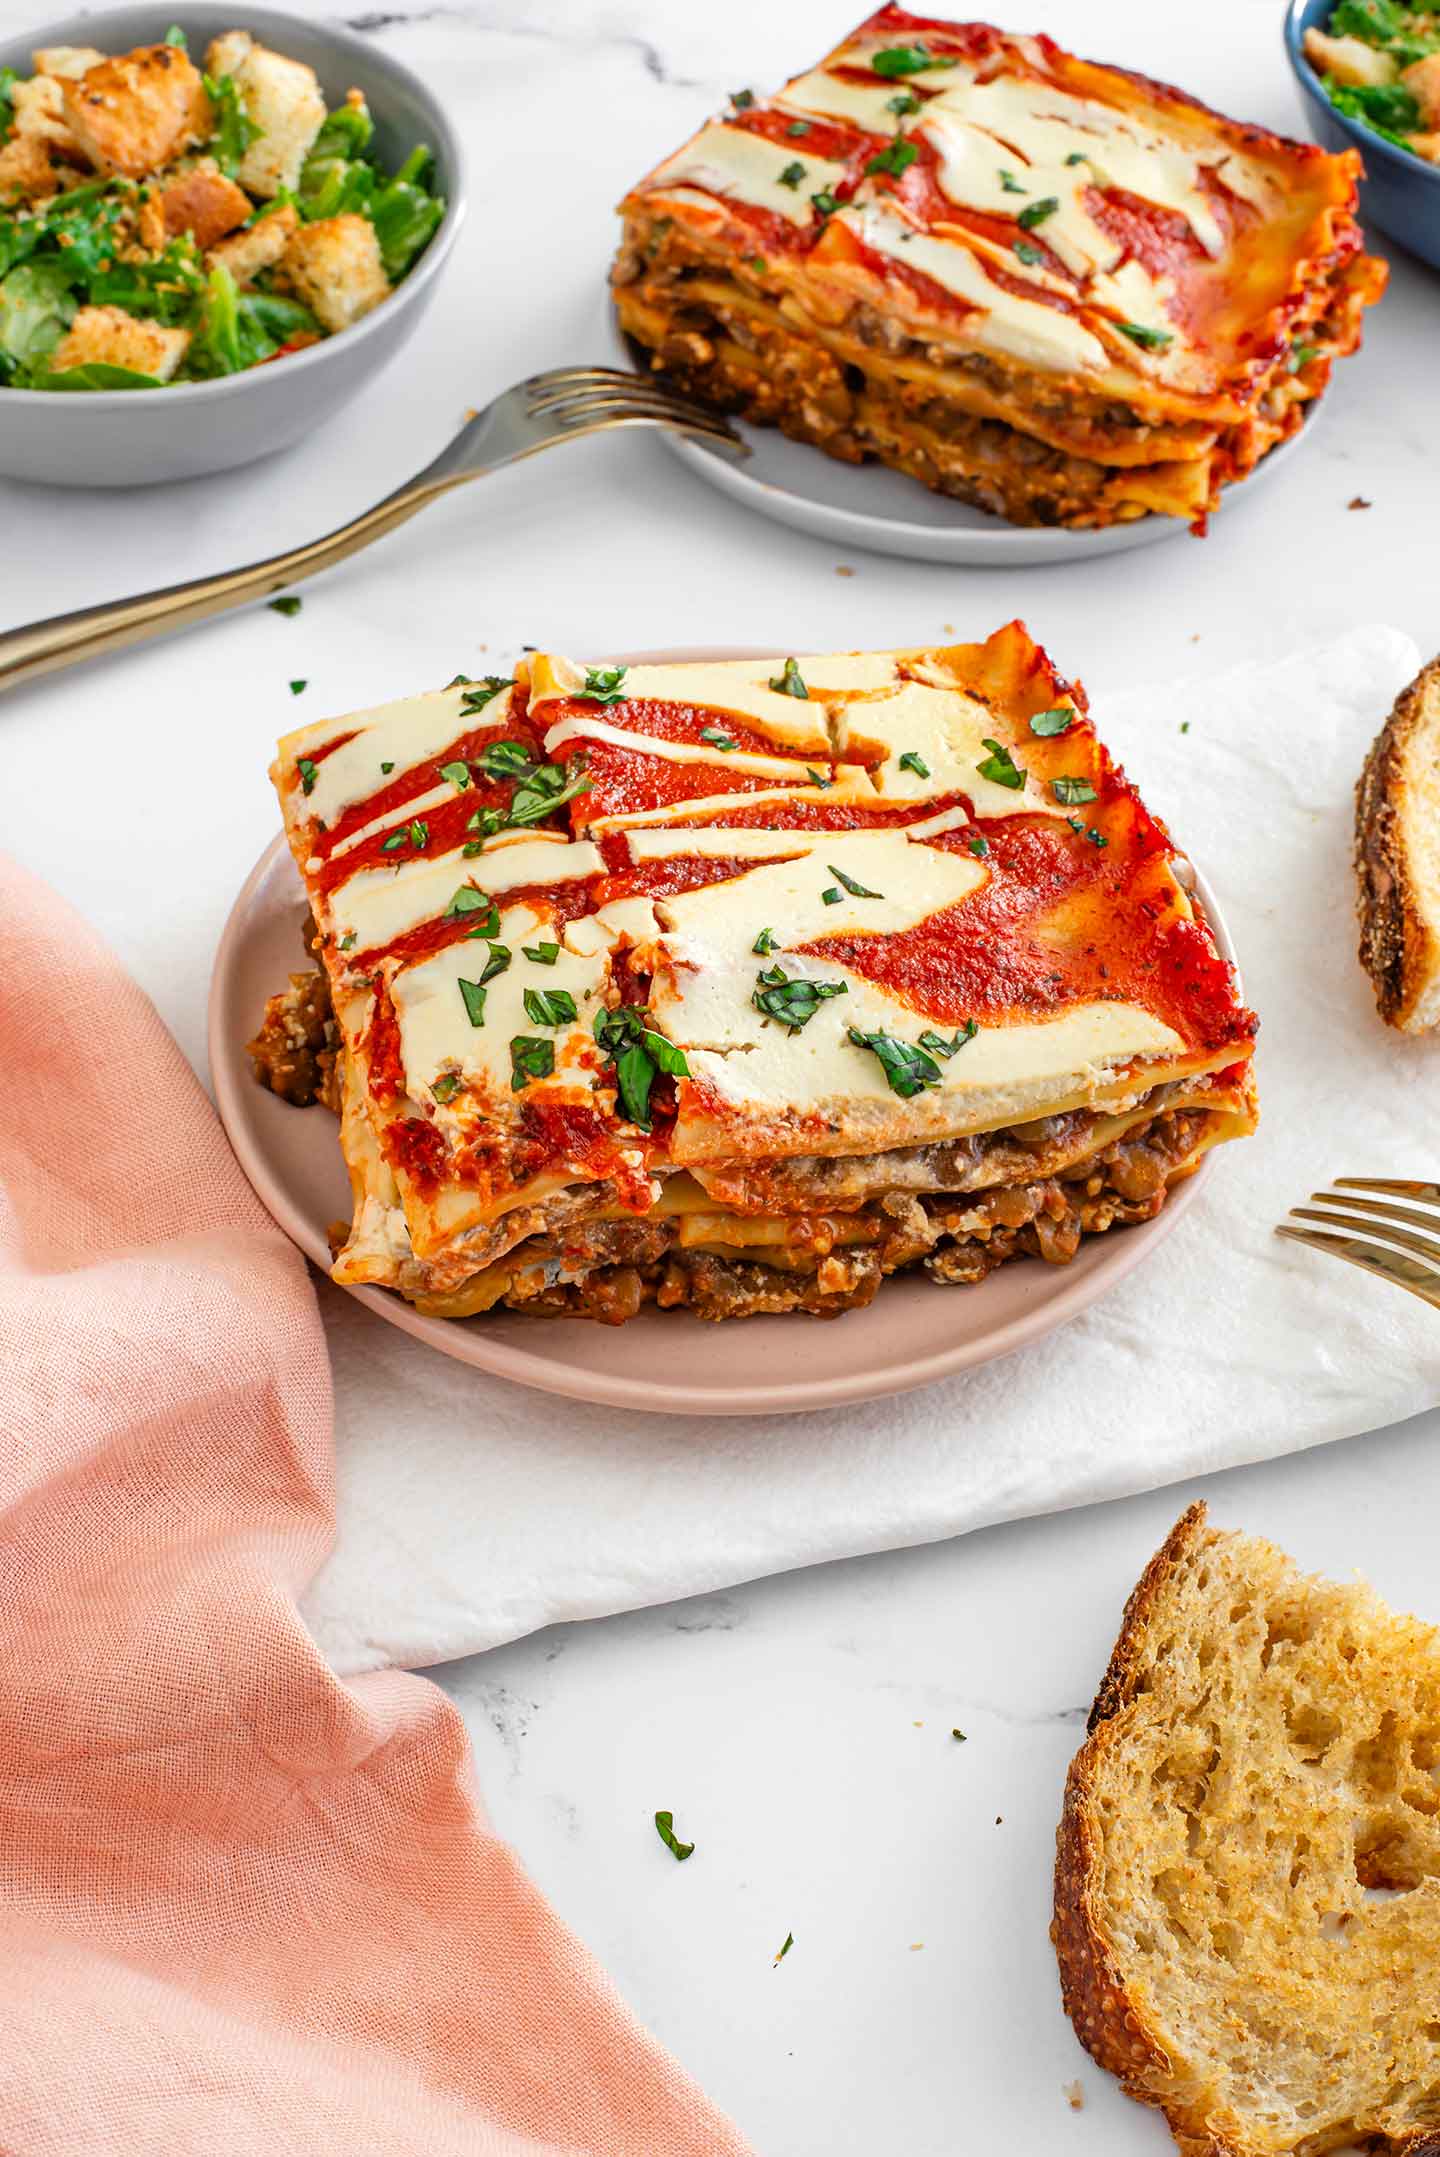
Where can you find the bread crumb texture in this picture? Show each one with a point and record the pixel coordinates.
(1247, 1885)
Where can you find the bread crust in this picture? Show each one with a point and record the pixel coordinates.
(1399, 918)
(1108, 2020)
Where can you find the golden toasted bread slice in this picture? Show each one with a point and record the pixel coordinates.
(1247, 1877)
(1397, 858)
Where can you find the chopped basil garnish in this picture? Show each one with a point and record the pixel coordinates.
(638, 1055)
(826, 201)
(456, 680)
(1035, 213)
(798, 127)
(818, 778)
(665, 1829)
(897, 60)
(542, 954)
(764, 943)
(467, 900)
(789, 684)
(480, 693)
(897, 159)
(550, 1007)
(913, 761)
(472, 995)
(386, 769)
(903, 104)
(1149, 340)
(306, 768)
(1301, 356)
(742, 100)
(960, 1735)
(347, 943)
(497, 959)
(419, 834)
(1029, 253)
(296, 687)
(1076, 157)
(856, 891)
(1010, 184)
(1077, 825)
(488, 927)
(603, 685)
(290, 604)
(793, 174)
(1072, 790)
(505, 760)
(831, 896)
(789, 1943)
(980, 848)
(530, 1058)
(545, 789)
(457, 773)
(939, 1046)
(446, 1086)
(716, 739)
(394, 842)
(907, 1068)
(793, 1002)
(1000, 767)
(1054, 721)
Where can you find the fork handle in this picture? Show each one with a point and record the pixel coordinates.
(65, 640)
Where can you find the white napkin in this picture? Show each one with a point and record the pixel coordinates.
(472, 1511)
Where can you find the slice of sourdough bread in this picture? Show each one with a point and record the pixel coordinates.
(1397, 858)
(1247, 1876)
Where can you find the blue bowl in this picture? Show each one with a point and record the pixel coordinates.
(1400, 193)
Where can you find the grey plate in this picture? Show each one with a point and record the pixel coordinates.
(869, 506)
(133, 438)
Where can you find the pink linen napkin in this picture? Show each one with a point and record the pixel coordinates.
(243, 1908)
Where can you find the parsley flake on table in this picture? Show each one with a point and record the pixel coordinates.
(913, 761)
(480, 693)
(960, 1735)
(290, 603)
(665, 1829)
(1054, 721)
(550, 1007)
(790, 683)
(856, 891)
(1071, 790)
(789, 1943)
(1000, 767)
(794, 1002)
(305, 766)
(296, 687)
(530, 1058)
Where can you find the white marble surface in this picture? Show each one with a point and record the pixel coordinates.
(779, 1721)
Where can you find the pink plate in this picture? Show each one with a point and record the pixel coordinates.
(663, 1361)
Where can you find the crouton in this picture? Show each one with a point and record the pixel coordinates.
(1426, 146)
(26, 173)
(109, 334)
(1423, 81)
(335, 268)
(259, 247)
(65, 59)
(38, 110)
(282, 98)
(1348, 60)
(204, 202)
(133, 114)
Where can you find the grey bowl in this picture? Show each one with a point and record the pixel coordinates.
(132, 438)
(1400, 193)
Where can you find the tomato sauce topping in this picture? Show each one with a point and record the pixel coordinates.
(624, 782)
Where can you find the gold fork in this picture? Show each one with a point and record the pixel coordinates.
(562, 405)
(1414, 1265)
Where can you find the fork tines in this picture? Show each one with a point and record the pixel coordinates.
(586, 396)
(1406, 1245)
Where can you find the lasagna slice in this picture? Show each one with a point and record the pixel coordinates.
(739, 986)
(1050, 288)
